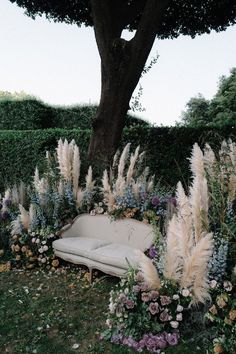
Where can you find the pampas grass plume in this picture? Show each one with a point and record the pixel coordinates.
(149, 271)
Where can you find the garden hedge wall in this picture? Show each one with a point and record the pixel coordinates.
(168, 149)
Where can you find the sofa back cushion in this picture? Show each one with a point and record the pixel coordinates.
(125, 231)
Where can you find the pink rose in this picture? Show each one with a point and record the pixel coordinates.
(179, 317)
(129, 304)
(164, 316)
(145, 297)
(174, 324)
(165, 300)
(153, 308)
(154, 295)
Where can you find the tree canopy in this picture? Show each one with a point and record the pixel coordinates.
(123, 61)
(221, 110)
(181, 17)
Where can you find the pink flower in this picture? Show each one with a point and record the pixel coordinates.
(139, 277)
(165, 300)
(129, 304)
(174, 324)
(179, 308)
(144, 287)
(154, 295)
(136, 289)
(179, 317)
(164, 316)
(227, 285)
(153, 308)
(145, 297)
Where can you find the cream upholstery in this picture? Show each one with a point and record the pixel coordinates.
(100, 243)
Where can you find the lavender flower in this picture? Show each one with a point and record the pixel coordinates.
(155, 201)
(172, 338)
(152, 252)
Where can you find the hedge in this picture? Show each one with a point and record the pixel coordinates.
(29, 114)
(168, 149)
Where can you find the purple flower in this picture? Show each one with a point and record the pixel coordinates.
(165, 300)
(116, 338)
(172, 338)
(4, 215)
(129, 304)
(155, 201)
(161, 342)
(151, 344)
(153, 308)
(7, 202)
(164, 316)
(152, 252)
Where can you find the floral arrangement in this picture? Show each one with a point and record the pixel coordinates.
(129, 192)
(54, 200)
(221, 316)
(144, 318)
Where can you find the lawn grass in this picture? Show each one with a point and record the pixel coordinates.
(49, 313)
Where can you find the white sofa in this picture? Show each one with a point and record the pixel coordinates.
(99, 243)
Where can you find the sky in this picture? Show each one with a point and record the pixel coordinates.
(60, 64)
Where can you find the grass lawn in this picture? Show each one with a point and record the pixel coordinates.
(62, 313)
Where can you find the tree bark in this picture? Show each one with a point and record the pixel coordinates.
(122, 63)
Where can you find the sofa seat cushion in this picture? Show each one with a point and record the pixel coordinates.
(115, 254)
(82, 246)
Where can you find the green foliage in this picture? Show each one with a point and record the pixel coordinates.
(181, 17)
(219, 111)
(20, 111)
(167, 149)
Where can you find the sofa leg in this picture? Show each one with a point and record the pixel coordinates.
(90, 275)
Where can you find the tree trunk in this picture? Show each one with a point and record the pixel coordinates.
(122, 63)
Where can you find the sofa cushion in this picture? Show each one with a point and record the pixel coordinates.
(115, 254)
(81, 246)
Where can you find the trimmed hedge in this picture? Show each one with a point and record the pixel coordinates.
(29, 114)
(168, 149)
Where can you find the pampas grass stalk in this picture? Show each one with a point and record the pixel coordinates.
(24, 217)
(75, 169)
(89, 179)
(133, 160)
(149, 271)
(123, 159)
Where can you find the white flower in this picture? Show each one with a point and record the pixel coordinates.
(93, 212)
(45, 248)
(41, 250)
(174, 324)
(227, 285)
(126, 291)
(179, 317)
(112, 308)
(44, 242)
(213, 284)
(176, 297)
(33, 240)
(75, 346)
(185, 292)
(43, 260)
(37, 240)
(179, 308)
(108, 323)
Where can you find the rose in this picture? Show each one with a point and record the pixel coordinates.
(213, 284)
(136, 289)
(145, 297)
(232, 315)
(172, 338)
(227, 285)
(218, 348)
(144, 287)
(179, 317)
(175, 297)
(129, 304)
(179, 308)
(139, 277)
(164, 316)
(165, 300)
(221, 301)
(213, 310)
(153, 308)
(174, 324)
(185, 292)
(154, 295)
